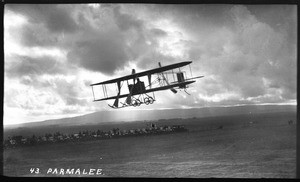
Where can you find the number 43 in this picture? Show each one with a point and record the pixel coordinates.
(35, 170)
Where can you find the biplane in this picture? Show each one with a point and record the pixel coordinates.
(138, 93)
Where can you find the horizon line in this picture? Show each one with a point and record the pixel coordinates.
(221, 106)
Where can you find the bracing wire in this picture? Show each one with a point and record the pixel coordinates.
(191, 71)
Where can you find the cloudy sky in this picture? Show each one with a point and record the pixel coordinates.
(54, 52)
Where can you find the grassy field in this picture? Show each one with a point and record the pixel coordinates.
(248, 146)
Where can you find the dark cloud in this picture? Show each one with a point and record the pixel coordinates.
(56, 18)
(33, 35)
(280, 17)
(126, 21)
(136, 33)
(112, 48)
(94, 49)
(107, 49)
(46, 25)
(104, 52)
(143, 41)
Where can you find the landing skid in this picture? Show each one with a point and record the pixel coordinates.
(112, 106)
(186, 92)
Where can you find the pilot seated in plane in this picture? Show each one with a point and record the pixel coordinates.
(138, 87)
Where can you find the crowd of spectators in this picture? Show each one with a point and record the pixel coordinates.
(57, 137)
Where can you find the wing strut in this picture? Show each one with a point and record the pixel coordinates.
(128, 99)
(149, 80)
(172, 89)
(191, 71)
(93, 93)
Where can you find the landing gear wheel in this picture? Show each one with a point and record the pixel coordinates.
(135, 103)
(138, 102)
(151, 100)
(147, 101)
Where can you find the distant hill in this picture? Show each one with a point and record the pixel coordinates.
(103, 117)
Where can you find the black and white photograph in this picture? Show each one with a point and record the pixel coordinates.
(109, 90)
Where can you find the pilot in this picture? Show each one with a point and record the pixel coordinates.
(138, 83)
(137, 86)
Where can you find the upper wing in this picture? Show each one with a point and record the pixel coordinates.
(145, 73)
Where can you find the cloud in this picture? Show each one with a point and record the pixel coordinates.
(126, 21)
(25, 65)
(47, 94)
(35, 35)
(239, 50)
(53, 52)
(94, 46)
(55, 18)
(69, 91)
(106, 49)
(158, 32)
(244, 52)
(104, 52)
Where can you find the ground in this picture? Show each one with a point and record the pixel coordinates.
(256, 146)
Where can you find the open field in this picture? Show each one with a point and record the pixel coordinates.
(248, 146)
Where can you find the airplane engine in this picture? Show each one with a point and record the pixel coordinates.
(180, 77)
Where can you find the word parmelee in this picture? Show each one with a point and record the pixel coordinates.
(72, 171)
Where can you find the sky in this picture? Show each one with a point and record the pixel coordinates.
(246, 53)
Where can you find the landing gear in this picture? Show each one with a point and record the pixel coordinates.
(151, 100)
(137, 101)
(148, 100)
